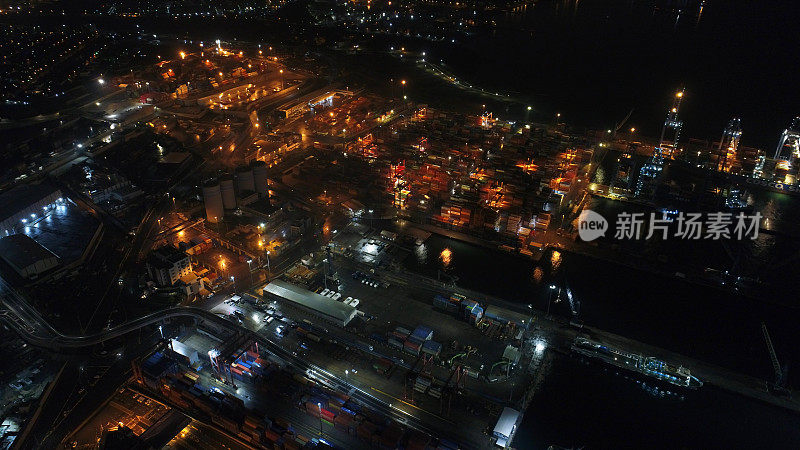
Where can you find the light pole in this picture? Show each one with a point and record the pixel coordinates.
(269, 270)
(319, 405)
(250, 269)
(403, 82)
(530, 321)
(281, 72)
(550, 298)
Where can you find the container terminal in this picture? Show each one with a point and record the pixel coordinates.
(254, 218)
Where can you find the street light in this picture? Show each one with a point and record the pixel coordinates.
(550, 298)
(319, 405)
(250, 269)
(269, 271)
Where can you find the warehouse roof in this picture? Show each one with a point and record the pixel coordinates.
(505, 315)
(325, 306)
(20, 197)
(505, 424)
(20, 250)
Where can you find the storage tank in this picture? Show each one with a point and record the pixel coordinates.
(260, 178)
(244, 179)
(228, 193)
(212, 198)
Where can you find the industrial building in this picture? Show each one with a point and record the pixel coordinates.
(228, 192)
(260, 179)
(504, 316)
(319, 305)
(244, 180)
(505, 426)
(308, 102)
(167, 265)
(26, 256)
(24, 204)
(212, 199)
(220, 195)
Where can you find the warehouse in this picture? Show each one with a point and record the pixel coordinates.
(26, 256)
(505, 427)
(23, 204)
(504, 316)
(319, 305)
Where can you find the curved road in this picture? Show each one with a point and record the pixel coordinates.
(34, 329)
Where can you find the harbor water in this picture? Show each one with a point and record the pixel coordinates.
(588, 404)
(583, 405)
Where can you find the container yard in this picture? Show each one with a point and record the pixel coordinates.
(340, 418)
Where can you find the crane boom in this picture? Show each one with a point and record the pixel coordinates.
(621, 124)
(775, 364)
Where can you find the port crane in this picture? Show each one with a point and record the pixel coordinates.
(779, 386)
(618, 126)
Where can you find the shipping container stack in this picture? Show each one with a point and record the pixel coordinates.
(383, 366)
(397, 337)
(432, 348)
(153, 369)
(472, 311)
(422, 383)
(443, 303)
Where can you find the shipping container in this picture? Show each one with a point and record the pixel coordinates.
(432, 348)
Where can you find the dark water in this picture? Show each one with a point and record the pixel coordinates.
(593, 61)
(587, 405)
(583, 405)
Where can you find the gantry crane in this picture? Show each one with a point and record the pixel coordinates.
(778, 386)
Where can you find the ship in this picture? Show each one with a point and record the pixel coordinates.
(647, 366)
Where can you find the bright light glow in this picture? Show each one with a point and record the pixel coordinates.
(446, 256)
(101, 81)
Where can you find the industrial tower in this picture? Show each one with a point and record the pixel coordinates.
(789, 143)
(729, 145)
(787, 153)
(673, 124)
(651, 170)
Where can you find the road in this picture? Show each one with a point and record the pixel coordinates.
(46, 337)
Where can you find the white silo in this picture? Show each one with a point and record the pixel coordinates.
(244, 179)
(212, 198)
(260, 178)
(228, 193)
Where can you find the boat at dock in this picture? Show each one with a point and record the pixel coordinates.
(648, 366)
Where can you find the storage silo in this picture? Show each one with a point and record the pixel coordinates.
(212, 199)
(244, 179)
(228, 193)
(260, 178)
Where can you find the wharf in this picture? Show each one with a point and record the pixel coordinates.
(560, 335)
